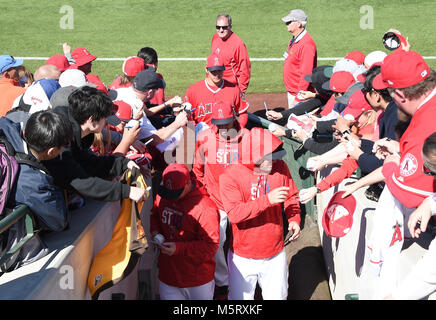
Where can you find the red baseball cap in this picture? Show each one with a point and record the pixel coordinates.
(94, 79)
(337, 218)
(222, 113)
(357, 104)
(123, 110)
(82, 56)
(133, 65)
(174, 179)
(59, 61)
(356, 56)
(214, 62)
(401, 69)
(340, 81)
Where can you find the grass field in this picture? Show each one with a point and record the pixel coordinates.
(184, 29)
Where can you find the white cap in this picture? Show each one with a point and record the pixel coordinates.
(74, 77)
(373, 57)
(295, 15)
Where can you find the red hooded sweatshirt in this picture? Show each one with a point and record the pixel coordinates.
(213, 154)
(257, 226)
(193, 224)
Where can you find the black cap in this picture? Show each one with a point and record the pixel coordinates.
(148, 79)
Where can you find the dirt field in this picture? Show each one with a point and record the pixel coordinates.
(273, 100)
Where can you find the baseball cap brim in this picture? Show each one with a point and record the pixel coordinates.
(216, 68)
(378, 82)
(326, 85)
(308, 77)
(113, 120)
(221, 121)
(169, 194)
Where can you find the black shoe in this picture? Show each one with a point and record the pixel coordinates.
(221, 293)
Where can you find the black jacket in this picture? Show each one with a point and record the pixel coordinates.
(89, 174)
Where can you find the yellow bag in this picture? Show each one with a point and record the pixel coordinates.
(119, 257)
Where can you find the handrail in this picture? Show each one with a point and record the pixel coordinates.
(22, 211)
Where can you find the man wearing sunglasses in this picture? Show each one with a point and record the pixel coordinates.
(233, 52)
(300, 56)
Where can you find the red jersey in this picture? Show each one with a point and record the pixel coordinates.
(193, 224)
(301, 59)
(213, 154)
(257, 226)
(407, 182)
(235, 57)
(203, 97)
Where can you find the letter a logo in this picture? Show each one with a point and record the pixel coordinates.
(397, 235)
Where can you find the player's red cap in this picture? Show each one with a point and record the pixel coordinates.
(123, 110)
(222, 113)
(357, 104)
(356, 56)
(401, 69)
(133, 65)
(82, 56)
(59, 61)
(337, 218)
(340, 81)
(174, 179)
(214, 62)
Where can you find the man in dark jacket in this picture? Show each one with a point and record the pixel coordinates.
(45, 135)
(77, 166)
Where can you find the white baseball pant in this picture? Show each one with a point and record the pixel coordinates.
(221, 270)
(203, 292)
(380, 271)
(271, 274)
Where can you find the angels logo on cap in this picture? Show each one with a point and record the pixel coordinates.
(337, 218)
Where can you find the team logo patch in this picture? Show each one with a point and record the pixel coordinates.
(424, 73)
(97, 279)
(409, 165)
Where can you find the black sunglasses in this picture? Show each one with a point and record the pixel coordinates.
(223, 27)
(427, 171)
(289, 22)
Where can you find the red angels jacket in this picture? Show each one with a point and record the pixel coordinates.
(193, 224)
(213, 154)
(257, 226)
(407, 182)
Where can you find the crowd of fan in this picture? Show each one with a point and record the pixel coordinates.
(377, 109)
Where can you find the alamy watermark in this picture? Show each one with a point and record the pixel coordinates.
(367, 20)
(67, 20)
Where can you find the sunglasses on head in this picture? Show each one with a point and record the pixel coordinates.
(223, 27)
(427, 171)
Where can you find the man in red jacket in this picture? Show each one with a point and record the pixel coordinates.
(233, 51)
(188, 220)
(300, 57)
(253, 195)
(216, 148)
